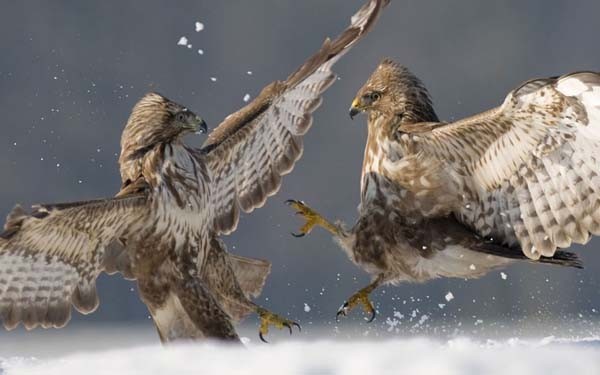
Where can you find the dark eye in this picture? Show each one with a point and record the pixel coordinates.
(375, 96)
(181, 117)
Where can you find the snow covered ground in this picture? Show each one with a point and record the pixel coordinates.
(105, 352)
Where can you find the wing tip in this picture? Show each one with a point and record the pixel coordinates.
(14, 222)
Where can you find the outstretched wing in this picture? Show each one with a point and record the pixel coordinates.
(52, 256)
(526, 173)
(251, 149)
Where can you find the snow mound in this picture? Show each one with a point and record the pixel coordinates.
(415, 356)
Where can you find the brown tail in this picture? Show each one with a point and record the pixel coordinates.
(560, 257)
(250, 273)
(563, 258)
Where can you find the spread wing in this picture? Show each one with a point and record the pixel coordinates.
(526, 173)
(251, 149)
(52, 256)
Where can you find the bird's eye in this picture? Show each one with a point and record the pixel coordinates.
(375, 96)
(181, 117)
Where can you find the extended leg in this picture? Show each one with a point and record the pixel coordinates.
(220, 278)
(184, 309)
(312, 219)
(204, 311)
(361, 298)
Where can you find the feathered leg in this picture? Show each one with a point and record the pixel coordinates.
(218, 274)
(183, 308)
(204, 310)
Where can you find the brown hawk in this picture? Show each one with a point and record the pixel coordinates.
(518, 182)
(163, 227)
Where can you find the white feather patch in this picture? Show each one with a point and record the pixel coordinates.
(571, 86)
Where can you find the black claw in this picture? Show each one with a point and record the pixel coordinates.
(298, 235)
(289, 327)
(341, 311)
(297, 325)
(262, 338)
(372, 316)
(290, 201)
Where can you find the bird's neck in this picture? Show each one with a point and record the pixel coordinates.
(136, 160)
(378, 150)
(379, 143)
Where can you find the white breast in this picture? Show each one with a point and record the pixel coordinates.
(183, 193)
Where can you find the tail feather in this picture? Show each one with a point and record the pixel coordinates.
(250, 273)
(563, 258)
(560, 257)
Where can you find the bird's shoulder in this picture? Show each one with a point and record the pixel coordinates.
(419, 127)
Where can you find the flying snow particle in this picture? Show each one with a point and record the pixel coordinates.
(246, 98)
(449, 297)
(214, 79)
(183, 41)
(249, 72)
(200, 52)
(503, 275)
(199, 26)
(306, 307)
(391, 323)
(189, 46)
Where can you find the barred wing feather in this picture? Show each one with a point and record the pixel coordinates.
(51, 257)
(527, 172)
(253, 148)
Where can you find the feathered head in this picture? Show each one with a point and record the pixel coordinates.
(392, 90)
(156, 119)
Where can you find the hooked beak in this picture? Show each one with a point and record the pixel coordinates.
(355, 108)
(200, 126)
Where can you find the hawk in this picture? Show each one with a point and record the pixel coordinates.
(163, 228)
(518, 182)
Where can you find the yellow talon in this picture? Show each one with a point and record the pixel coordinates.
(268, 318)
(360, 298)
(312, 219)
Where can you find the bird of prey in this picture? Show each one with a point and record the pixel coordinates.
(163, 227)
(518, 182)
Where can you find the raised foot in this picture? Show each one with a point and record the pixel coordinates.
(359, 298)
(312, 218)
(268, 318)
